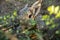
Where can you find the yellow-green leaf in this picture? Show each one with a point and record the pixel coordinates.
(53, 26)
(47, 22)
(12, 16)
(58, 15)
(4, 17)
(45, 17)
(8, 16)
(15, 13)
(56, 9)
(0, 17)
(57, 32)
(51, 9)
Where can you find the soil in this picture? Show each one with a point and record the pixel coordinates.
(7, 6)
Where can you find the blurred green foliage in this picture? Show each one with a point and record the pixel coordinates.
(2, 36)
(6, 19)
(55, 11)
(32, 22)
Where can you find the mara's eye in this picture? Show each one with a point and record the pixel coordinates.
(30, 16)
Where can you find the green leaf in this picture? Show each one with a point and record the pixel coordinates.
(45, 17)
(32, 22)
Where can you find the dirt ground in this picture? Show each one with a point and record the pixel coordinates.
(7, 6)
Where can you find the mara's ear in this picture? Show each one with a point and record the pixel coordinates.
(26, 6)
(35, 8)
(21, 12)
(34, 4)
